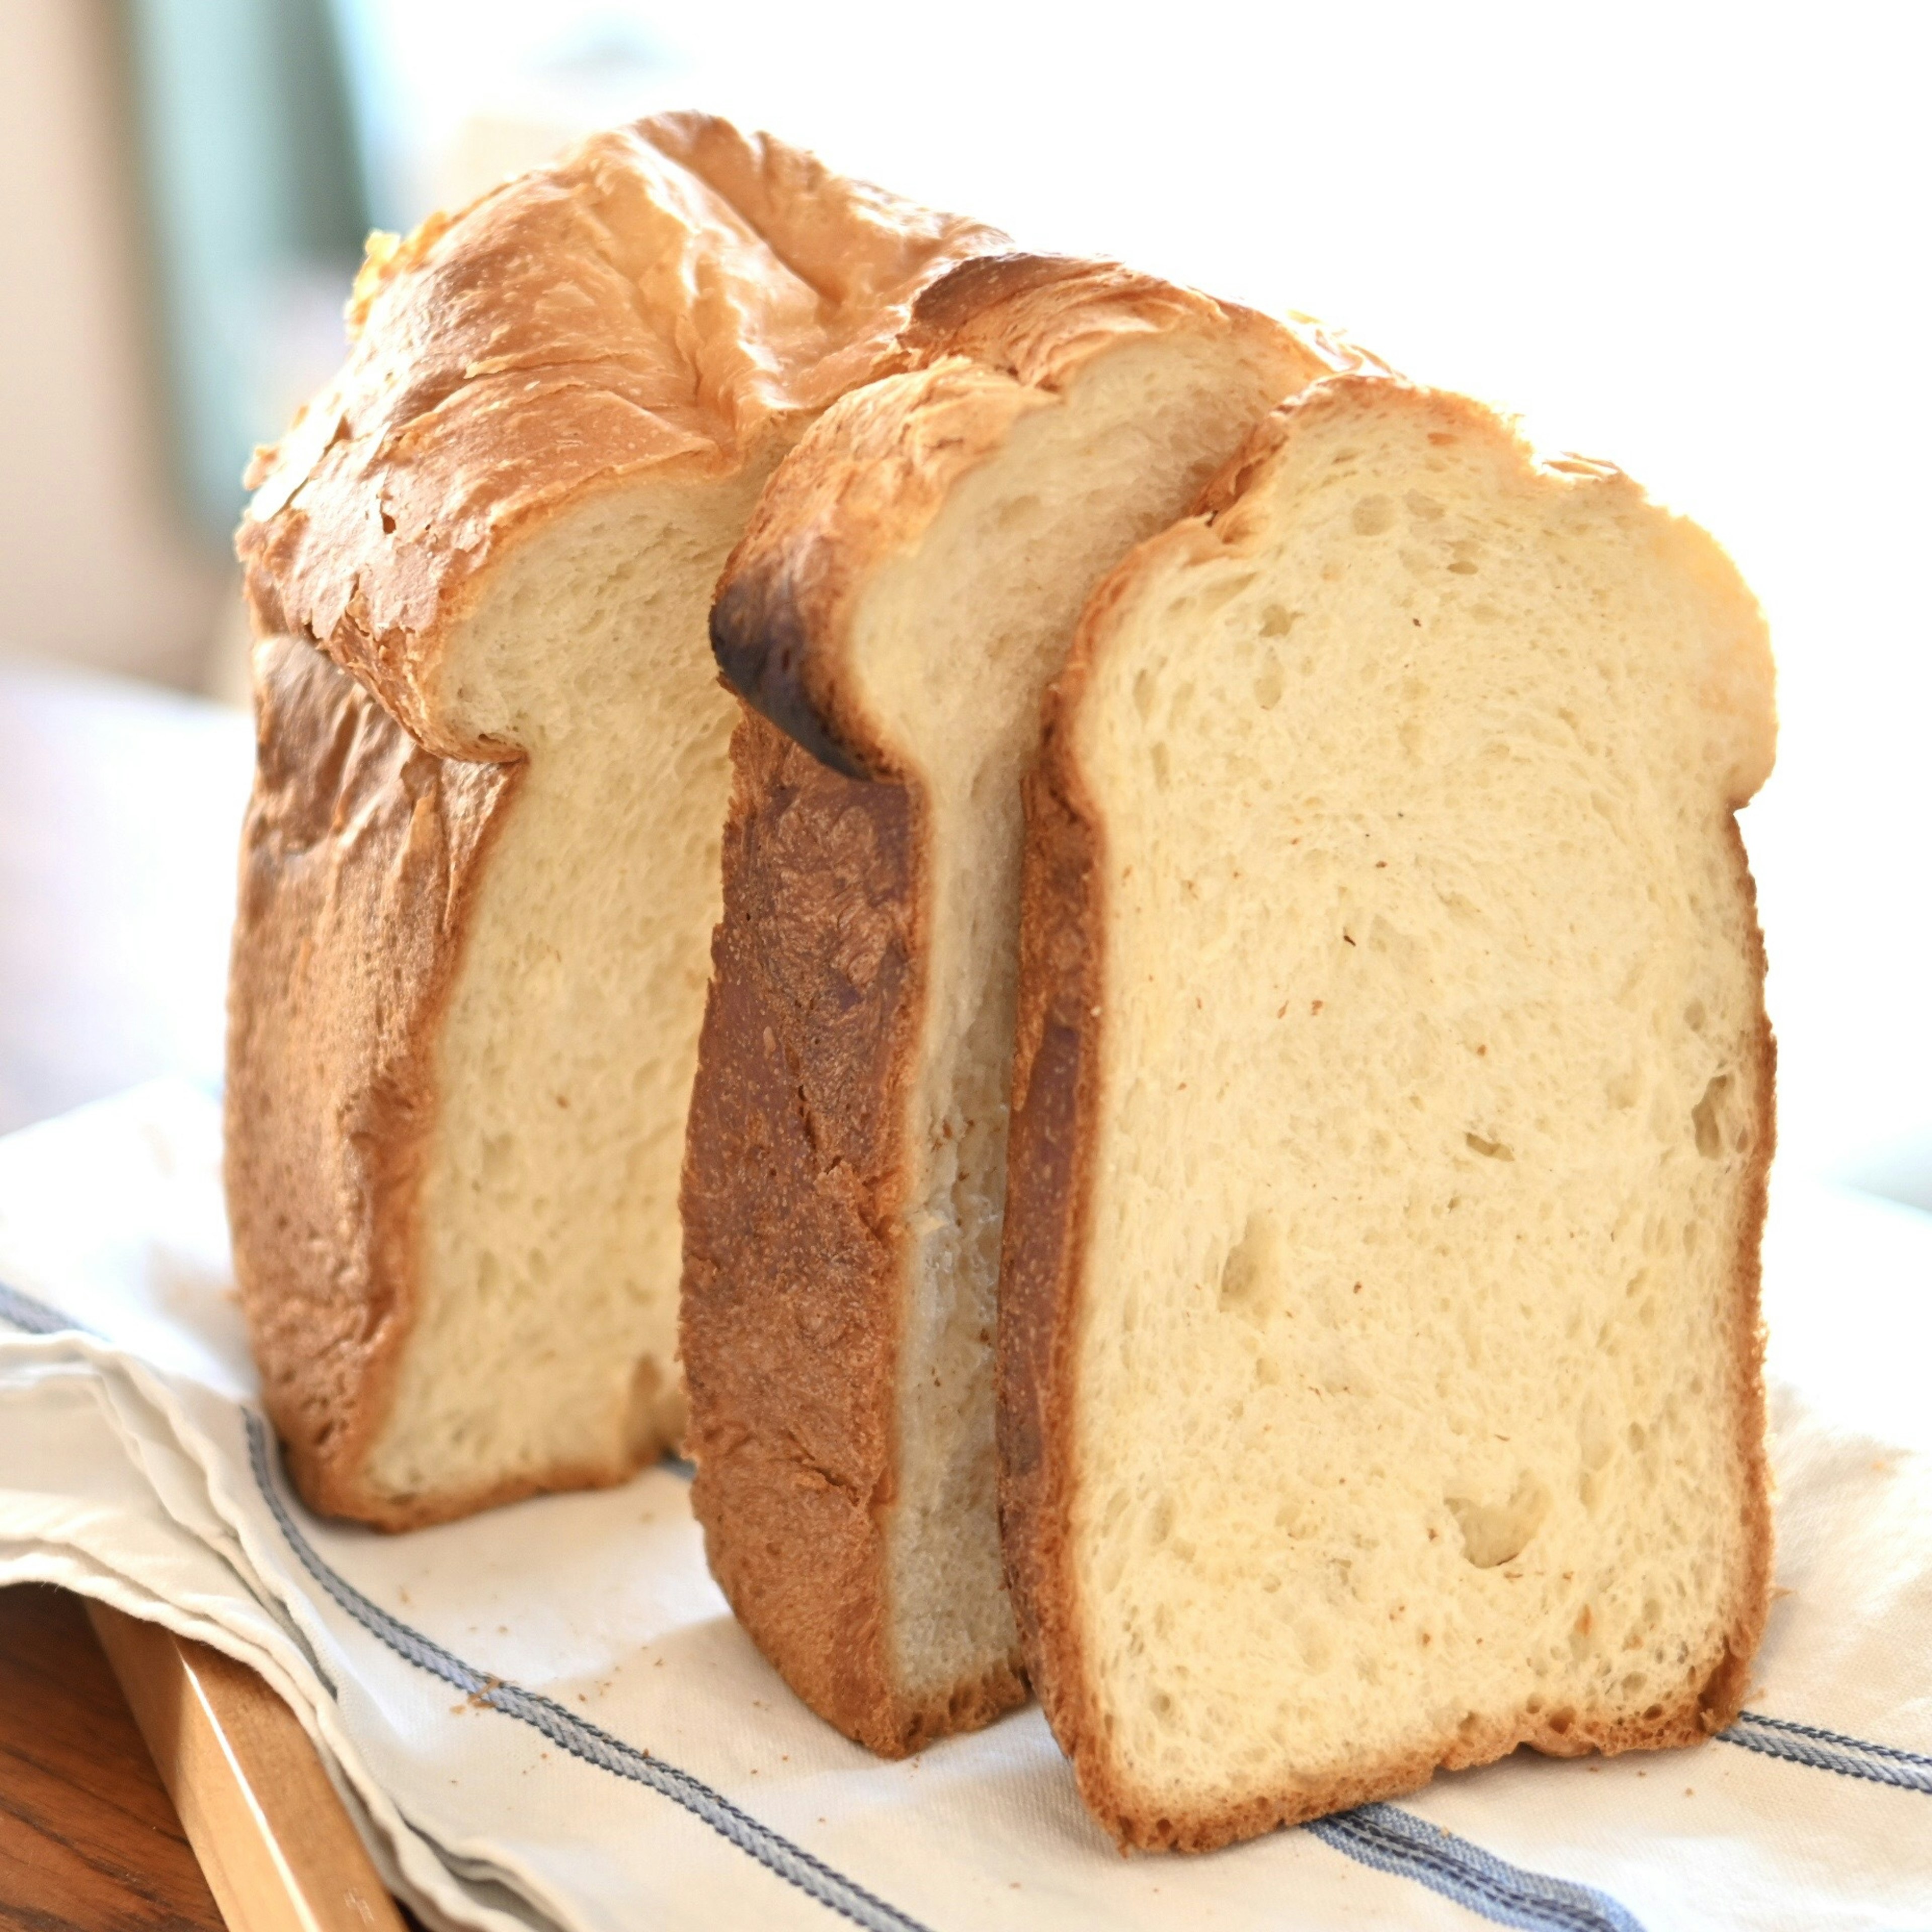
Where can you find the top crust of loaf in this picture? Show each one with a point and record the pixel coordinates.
(996, 338)
(1059, 1048)
(663, 297)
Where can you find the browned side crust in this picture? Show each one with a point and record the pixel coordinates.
(360, 856)
(1042, 1247)
(1056, 1118)
(792, 1183)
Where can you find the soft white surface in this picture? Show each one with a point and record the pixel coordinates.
(124, 1473)
(546, 1321)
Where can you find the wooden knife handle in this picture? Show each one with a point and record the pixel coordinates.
(278, 1849)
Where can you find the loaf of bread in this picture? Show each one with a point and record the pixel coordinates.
(910, 583)
(480, 869)
(1379, 1345)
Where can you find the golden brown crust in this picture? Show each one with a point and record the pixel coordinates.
(672, 299)
(667, 297)
(1056, 1115)
(1041, 319)
(360, 857)
(1055, 1103)
(789, 1198)
(867, 480)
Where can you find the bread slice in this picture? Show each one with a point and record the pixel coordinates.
(1379, 1344)
(910, 584)
(480, 870)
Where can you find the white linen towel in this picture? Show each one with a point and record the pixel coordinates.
(546, 1716)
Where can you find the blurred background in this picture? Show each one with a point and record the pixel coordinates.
(1690, 238)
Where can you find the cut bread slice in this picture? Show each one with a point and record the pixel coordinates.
(1379, 1346)
(480, 870)
(910, 584)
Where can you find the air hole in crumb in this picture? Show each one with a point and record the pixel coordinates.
(1704, 1118)
(1493, 1533)
(1268, 682)
(1694, 1015)
(1488, 1150)
(1373, 515)
(1277, 623)
(1160, 764)
(1249, 1274)
(1424, 509)
(1144, 694)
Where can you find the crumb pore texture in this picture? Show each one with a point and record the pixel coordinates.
(1414, 1401)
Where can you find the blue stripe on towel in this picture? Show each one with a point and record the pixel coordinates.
(35, 1317)
(1394, 1840)
(1830, 1750)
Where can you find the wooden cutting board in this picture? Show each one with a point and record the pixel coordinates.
(274, 1841)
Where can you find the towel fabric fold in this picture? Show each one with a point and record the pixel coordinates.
(546, 1716)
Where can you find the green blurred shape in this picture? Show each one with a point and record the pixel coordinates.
(258, 206)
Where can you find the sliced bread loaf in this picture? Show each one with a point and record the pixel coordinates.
(480, 870)
(909, 584)
(1379, 1343)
